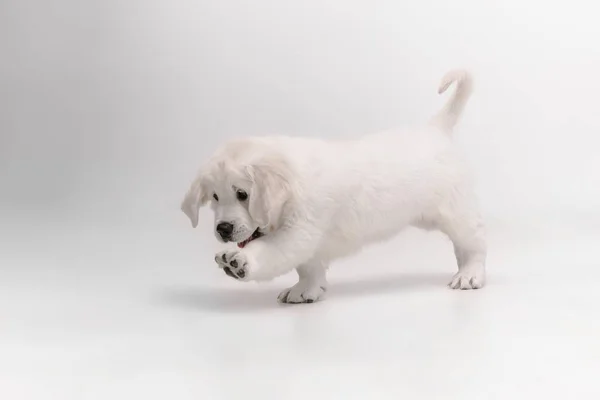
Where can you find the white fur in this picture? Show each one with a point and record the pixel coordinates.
(320, 200)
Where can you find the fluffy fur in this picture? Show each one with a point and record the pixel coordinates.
(315, 201)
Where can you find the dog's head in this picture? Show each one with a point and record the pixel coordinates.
(248, 186)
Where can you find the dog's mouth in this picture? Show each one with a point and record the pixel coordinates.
(255, 235)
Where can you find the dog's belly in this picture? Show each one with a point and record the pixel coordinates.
(332, 249)
(346, 241)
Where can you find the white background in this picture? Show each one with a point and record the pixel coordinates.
(107, 108)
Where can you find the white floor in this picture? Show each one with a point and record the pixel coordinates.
(132, 315)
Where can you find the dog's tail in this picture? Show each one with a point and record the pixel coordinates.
(448, 116)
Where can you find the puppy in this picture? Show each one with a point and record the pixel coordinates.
(300, 203)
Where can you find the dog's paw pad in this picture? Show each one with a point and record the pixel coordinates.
(302, 293)
(233, 263)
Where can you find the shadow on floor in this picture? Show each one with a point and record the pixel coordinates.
(213, 299)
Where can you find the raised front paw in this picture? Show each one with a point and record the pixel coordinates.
(234, 263)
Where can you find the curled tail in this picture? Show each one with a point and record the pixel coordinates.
(448, 116)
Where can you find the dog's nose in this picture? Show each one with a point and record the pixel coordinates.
(225, 229)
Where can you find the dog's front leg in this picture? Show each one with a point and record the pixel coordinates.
(311, 286)
(270, 256)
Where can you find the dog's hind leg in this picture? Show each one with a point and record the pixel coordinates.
(311, 286)
(463, 224)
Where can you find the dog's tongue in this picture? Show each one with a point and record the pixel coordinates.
(243, 244)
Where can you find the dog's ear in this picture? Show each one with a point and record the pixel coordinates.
(196, 197)
(270, 190)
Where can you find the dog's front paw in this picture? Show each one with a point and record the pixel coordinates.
(234, 263)
(302, 292)
(468, 278)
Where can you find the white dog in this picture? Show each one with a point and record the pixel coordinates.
(300, 203)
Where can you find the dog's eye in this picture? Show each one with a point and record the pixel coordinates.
(241, 195)
(215, 197)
